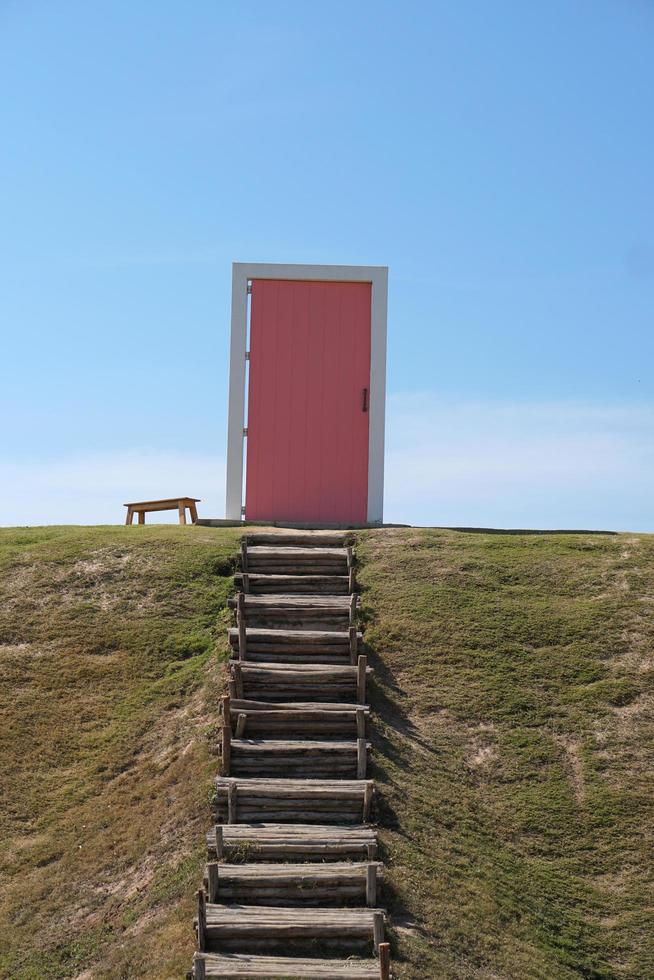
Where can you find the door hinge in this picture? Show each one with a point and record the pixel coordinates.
(247, 355)
(243, 510)
(245, 430)
(249, 287)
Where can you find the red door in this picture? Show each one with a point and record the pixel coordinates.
(307, 442)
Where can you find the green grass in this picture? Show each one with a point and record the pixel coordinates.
(513, 748)
(109, 638)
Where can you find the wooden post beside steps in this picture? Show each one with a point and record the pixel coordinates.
(362, 669)
(384, 951)
(240, 622)
(226, 736)
(202, 921)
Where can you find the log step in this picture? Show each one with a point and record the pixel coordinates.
(301, 539)
(259, 584)
(301, 618)
(309, 682)
(247, 924)
(297, 569)
(244, 705)
(300, 561)
(304, 638)
(291, 602)
(299, 758)
(288, 646)
(292, 884)
(296, 553)
(301, 612)
(298, 718)
(258, 800)
(293, 656)
(243, 966)
(298, 842)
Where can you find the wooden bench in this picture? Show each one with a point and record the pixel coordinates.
(180, 504)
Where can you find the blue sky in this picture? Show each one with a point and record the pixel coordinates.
(499, 158)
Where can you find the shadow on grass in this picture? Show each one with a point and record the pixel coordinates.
(384, 697)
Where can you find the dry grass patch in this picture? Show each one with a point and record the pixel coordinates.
(514, 751)
(110, 640)
(513, 742)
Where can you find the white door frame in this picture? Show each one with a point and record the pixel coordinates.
(377, 276)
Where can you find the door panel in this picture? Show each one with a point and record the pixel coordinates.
(307, 443)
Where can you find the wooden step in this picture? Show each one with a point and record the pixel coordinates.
(299, 539)
(260, 584)
(310, 618)
(298, 569)
(252, 926)
(292, 602)
(308, 759)
(332, 570)
(333, 613)
(291, 655)
(295, 718)
(297, 554)
(298, 842)
(288, 646)
(305, 682)
(298, 561)
(334, 883)
(249, 966)
(305, 638)
(262, 800)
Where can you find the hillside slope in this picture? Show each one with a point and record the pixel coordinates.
(513, 747)
(107, 701)
(516, 757)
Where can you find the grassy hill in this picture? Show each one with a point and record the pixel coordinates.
(516, 752)
(513, 747)
(107, 729)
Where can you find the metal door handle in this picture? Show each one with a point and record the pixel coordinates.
(364, 400)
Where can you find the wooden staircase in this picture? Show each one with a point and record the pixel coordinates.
(293, 863)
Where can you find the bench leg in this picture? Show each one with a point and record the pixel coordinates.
(182, 514)
(194, 513)
(141, 517)
(130, 516)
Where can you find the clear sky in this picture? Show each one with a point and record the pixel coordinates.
(498, 157)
